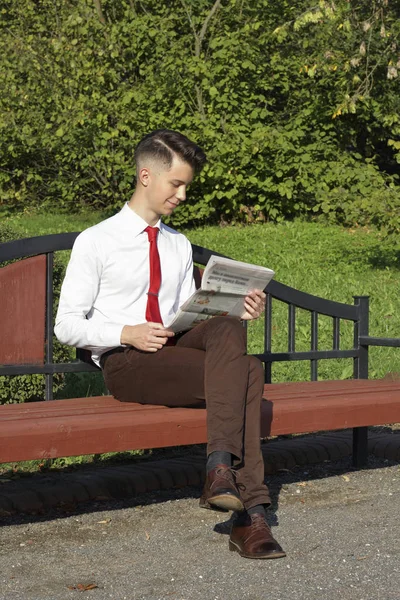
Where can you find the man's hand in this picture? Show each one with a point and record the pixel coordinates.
(148, 337)
(254, 305)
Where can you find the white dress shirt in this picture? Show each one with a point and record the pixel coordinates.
(107, 280)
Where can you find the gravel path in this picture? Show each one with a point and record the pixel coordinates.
(340, 529)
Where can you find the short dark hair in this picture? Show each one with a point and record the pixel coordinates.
(162, 144)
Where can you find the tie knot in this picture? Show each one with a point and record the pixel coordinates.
(152, 233)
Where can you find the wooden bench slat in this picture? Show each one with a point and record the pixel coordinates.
(312, 389)
(102, 424)
(107, 404)
(93, 433)
(317, 413)
(66, 408)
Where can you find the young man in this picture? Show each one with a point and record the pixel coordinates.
(127, 277)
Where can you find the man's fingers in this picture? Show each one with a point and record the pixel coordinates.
(166, 333)
(257, 295)
(251, 300)
(157, 339)
(156, 336)
(256, 302)
(158, 329)
(252, 303)
(152, 347)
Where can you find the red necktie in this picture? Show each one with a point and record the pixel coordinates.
(153, 308)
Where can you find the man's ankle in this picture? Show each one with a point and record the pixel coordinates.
(218, 457)
(259, 508)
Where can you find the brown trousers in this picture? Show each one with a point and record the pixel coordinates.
(208, 365)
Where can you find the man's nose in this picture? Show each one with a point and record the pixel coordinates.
(181, 193)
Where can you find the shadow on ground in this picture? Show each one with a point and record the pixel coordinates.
(298, 475)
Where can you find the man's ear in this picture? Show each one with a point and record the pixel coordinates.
(144, 176)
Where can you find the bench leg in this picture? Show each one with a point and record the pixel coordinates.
(360, 446)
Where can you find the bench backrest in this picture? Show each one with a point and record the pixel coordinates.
(22, 314)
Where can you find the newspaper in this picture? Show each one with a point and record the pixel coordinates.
(224, 286)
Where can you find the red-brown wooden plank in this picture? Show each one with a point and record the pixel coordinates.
(301, 415)
(22, 314)
(66, 408)
(51, 437)
(313, 388)
(102, 424)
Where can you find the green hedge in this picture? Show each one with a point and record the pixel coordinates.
(296, 104)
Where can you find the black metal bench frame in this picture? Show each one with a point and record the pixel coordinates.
(357, 313)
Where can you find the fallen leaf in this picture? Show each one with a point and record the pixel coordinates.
(105, 521)
(346, 477)
(302, 483)
(147, 536)
(86, 586)
(83, 587)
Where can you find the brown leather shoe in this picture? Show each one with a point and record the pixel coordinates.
(220, 490)
(252, 537)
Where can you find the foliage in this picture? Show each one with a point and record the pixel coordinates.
(25, 388)
(361, 58)
(297, 106)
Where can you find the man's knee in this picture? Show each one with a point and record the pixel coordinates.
(229, 331)
(226, 324)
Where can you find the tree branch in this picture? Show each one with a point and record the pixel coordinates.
(189, 18)
(198, 41)
(133, 7)
(99, 10)
(203, 31)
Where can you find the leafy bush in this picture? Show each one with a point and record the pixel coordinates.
(25, 388)
(358, 194)
(282, 97)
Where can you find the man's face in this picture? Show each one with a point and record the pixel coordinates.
(166, 188)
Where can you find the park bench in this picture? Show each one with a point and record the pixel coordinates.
(70, 427)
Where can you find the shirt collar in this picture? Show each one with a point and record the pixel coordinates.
(135, 223)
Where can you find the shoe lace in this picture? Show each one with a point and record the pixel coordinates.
(229, 473)
(259, 524)
(226, 473)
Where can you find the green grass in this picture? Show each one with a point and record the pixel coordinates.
(32, 223)
(327, 261)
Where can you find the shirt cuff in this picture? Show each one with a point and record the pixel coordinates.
(111, 334)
